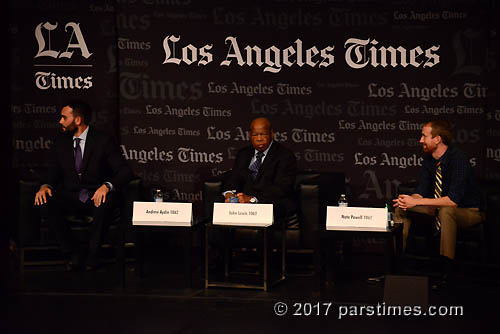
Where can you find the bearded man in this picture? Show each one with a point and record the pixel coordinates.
(447, 189)
(86, 169)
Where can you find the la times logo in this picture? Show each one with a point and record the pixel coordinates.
(45, 34)
(359, 54)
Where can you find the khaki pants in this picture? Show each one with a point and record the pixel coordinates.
(451, 219)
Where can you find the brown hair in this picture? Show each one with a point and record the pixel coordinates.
(443, 129)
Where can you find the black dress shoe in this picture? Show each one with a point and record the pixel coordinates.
(92, 263)
(375, 280)
(447, 276)
(74, 264)
(441, 286)
(91, 267)
(68, 266)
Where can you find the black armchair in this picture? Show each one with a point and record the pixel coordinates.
(491, 198)
(34, 235)
(314, 191)
(474, 244)
(229, 238)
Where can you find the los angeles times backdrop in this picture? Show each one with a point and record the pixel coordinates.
(347, 85)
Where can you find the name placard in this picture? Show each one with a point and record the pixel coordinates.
(356, 218)
(162, 214)
(243, 214)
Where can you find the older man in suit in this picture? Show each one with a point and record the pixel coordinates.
(264, 172)
(87, 169)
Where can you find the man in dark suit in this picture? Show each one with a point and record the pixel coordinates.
(86, 170)
(264, 172)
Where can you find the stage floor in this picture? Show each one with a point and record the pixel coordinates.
(53, 301)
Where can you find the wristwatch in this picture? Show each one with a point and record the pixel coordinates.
(107, 185)
(253, 200)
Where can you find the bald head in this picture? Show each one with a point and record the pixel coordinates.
(261, 122)
(261, 133)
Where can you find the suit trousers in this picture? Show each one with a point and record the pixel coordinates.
(64, 203)
(451, 220)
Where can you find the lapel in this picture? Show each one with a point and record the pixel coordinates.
(267, 160)
(89, 148)
(246, 162)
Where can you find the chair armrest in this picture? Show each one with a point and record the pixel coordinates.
(309, 213)
(490, 191)
(407, 188)
(29, 220)
(131, 192)
(212, 193)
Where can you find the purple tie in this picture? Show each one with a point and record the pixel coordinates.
(84, 193)
(78, 156)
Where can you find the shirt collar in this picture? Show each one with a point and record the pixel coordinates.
(83, 136)
(265, 152)
(443, 159)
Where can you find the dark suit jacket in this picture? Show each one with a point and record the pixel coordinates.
(102, 162)
(274, 183)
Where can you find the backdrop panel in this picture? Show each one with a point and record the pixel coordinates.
(59, 50)
(347, 85)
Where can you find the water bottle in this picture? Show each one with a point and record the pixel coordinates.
(158, 196)
(233, 198)
(343, 201)
(390, 221)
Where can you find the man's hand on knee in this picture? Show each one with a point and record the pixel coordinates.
(41, 195)
(100, 195)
